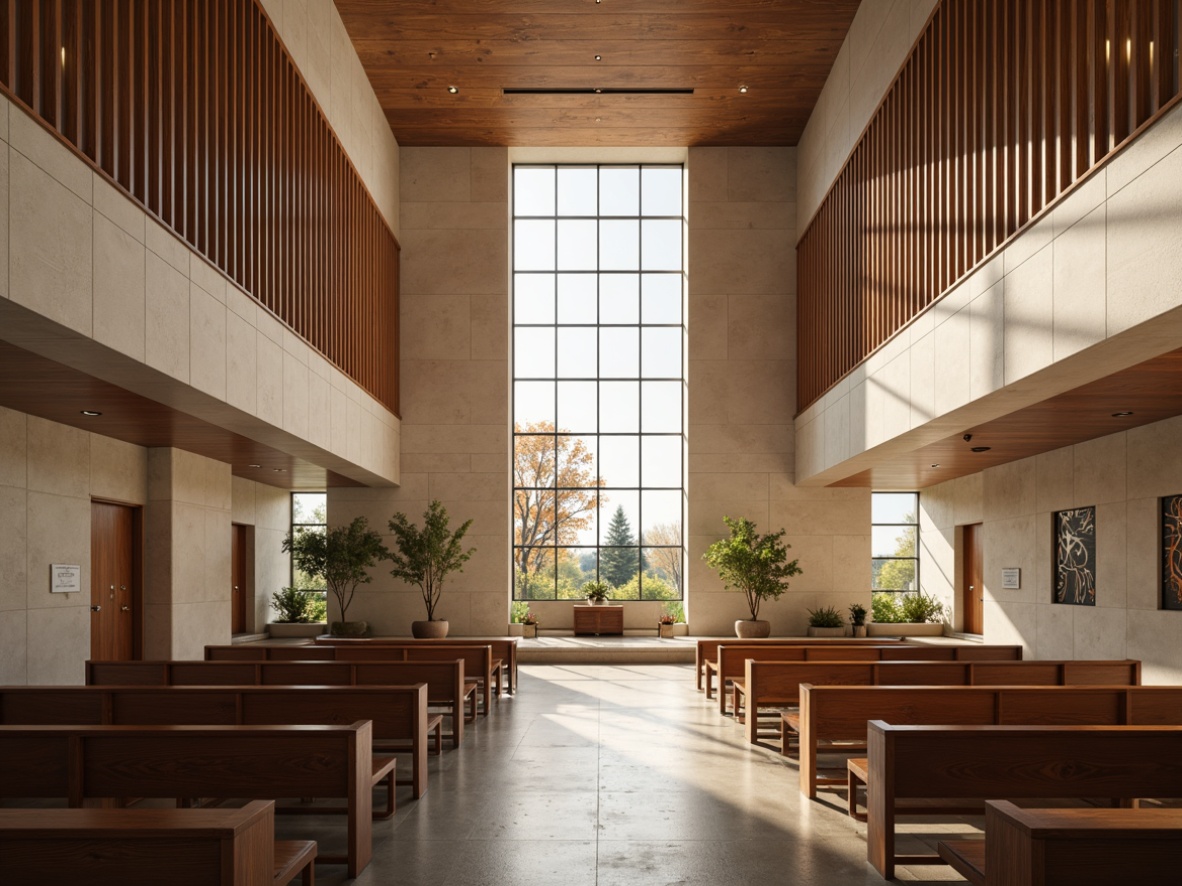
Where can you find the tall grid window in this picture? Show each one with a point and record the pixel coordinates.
(598, 381)
(894, 537)
(309, 513)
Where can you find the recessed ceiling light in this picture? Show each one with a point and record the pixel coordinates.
(90, 412)
(1120, 414)
(743, 90)
(254, 466)
(599, 58)
(279, 470)
(453, 89)
(981, 448)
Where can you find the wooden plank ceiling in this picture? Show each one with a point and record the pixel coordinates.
(1140, 395)
(669, 71)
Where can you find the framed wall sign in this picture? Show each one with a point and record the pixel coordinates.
(1011, 578)
(65, 579)
(1075, 556)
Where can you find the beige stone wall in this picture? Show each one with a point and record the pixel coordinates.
(48, 475)
(96, 283)
(742, 395)
(455, 385)
(320, 46)
(880, 37)
(1092, 287)
(266, 511)
(1123, 475)
(187, 556)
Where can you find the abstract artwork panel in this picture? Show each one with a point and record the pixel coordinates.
(1171, 552)
(1075, 556)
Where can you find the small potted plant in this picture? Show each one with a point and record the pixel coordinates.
(858, 619)
(826, 621)
(596, 592)
(665, 624)
(530, 625)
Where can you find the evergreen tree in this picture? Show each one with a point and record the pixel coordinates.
(619, 557)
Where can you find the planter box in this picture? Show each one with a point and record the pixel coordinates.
(295, 629)
(905, 629)
(826, 632)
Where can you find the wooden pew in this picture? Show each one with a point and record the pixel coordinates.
(479, 663)
(777, 683)
(730, 660)
(706, 649)
(183, 847)
(216, 762)
(961, 763)
(504, 648)
(839, 713)
(399, 713)
(1070, 847)
(446, 684)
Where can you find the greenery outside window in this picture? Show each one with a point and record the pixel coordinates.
(309, 513)
(894, 536)
(598, 381)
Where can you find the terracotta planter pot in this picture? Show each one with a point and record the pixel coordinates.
(859, 630)
(666, 631)
(429, 630)
(529, 631)
(748, 629)
(350, 628)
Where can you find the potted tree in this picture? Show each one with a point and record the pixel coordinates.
(341, 557)
(858, 619)
(755, 564)
(826, 621)
(425, 557)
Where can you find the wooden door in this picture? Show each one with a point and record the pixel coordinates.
(972, 579)
(113, 596)
(237, 579)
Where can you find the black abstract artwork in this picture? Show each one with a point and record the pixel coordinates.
(1171, 552)
(1075, 556)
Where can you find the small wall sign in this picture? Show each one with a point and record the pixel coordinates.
(64, 579)
(1011, 578)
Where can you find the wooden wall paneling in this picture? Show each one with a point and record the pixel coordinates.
(196, 110)
(1001, 108)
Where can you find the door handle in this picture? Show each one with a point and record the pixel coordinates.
(96, 608)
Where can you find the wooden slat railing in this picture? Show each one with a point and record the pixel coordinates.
(194, 108)
(1002, 106)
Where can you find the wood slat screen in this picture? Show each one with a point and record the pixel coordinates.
(195, 109)
(1001, 107)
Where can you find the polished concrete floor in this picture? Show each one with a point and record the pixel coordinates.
(602, 775)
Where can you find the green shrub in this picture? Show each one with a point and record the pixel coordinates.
(291, 606)
(884, 606)
(825, 617)
(597, 590)
(518, 610)
(918, 607)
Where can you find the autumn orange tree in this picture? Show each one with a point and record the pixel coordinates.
(554, 495)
